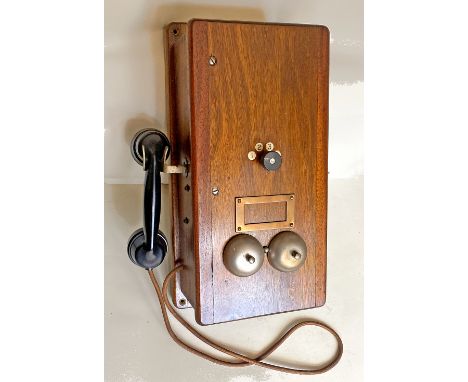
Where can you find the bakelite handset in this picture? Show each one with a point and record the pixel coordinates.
(147, 246)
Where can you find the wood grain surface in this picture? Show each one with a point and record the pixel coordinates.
(269, 84)
(177, 95)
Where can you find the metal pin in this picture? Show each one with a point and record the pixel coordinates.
(250, 258)
(215, 191)
(212, 60)
(296, 255)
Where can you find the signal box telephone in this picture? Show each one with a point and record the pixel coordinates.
(247, 114)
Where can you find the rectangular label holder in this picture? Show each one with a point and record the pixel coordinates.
(241, 202)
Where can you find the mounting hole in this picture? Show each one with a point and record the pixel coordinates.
(186, 220)
(187, 188)
(175, 31)
(182, 302)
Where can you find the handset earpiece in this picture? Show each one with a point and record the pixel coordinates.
(147, 246)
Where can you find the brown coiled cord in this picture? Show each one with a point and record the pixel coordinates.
(244, 360)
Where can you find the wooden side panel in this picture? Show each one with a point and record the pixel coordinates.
(269, 84)
(178, 119)
(321, 171)
(201, 164)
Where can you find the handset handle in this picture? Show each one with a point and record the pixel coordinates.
(147, 246)
(152, 196)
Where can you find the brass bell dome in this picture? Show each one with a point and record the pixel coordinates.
(287, 251)
(243, 255)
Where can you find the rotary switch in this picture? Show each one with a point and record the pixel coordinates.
(271, 160)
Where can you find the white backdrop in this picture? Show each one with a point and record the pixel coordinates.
(134, 70)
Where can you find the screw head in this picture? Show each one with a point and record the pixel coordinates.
(272, 161)
(215, 191)
(212, 61)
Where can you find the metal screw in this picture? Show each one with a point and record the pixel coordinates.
(239, 228)
(212, 60)
(291, 197)
(239, 200)
(250, 258)
(215, 191)
(291, 224)
(182, 302)
(259, 146)
(251, 155)
(269, 146)
(266, 249)
(272, 161)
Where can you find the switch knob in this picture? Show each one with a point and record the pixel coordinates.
(271, 160)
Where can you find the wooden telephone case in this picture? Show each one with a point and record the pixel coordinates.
(231, 85)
